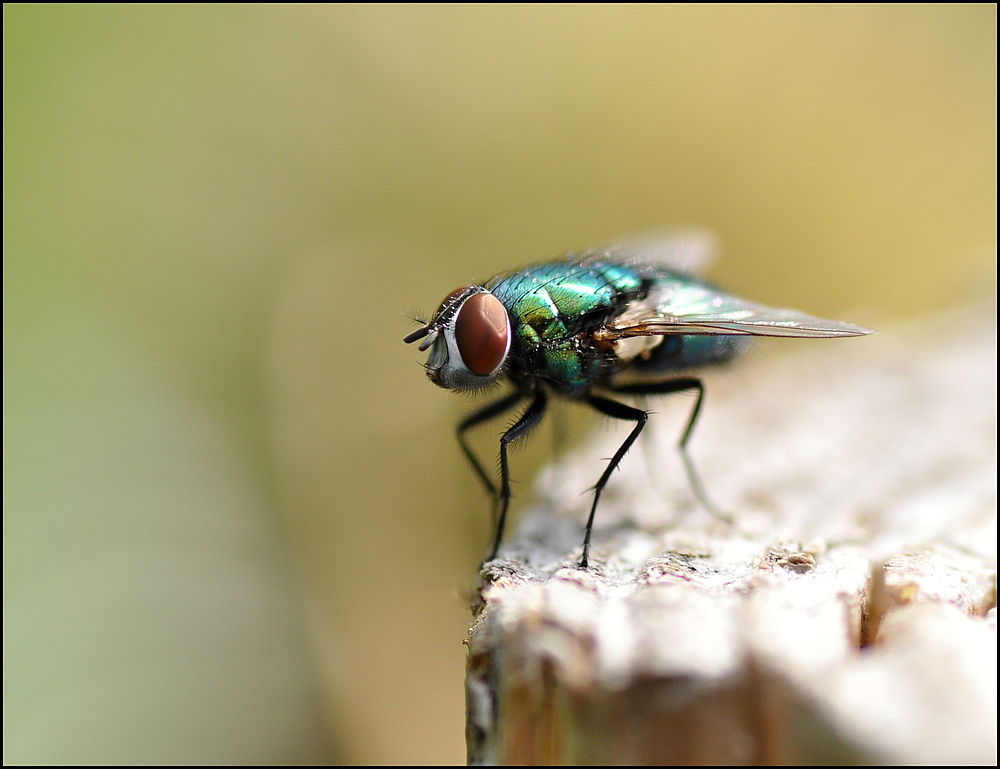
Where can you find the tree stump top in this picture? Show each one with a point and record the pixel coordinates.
(847, 615)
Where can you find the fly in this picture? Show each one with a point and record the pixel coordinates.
(588, 327)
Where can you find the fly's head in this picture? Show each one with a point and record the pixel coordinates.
(469, 339)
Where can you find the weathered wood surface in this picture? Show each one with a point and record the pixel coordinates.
(848, 615)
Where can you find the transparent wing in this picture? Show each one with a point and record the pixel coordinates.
(679, 306)
(687, 251)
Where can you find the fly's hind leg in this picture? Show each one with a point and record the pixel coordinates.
(674, 386)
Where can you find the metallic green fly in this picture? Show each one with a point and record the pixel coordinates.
(613, 321)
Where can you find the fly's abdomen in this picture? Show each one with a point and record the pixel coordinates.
(677, 353)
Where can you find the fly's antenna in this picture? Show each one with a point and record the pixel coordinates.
(413, 336)
(430, 331)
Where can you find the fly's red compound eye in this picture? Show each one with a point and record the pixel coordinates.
(481, 332)
(453, 296)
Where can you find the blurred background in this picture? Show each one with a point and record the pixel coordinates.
(236, 526)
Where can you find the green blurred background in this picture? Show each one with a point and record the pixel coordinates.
(236, 528)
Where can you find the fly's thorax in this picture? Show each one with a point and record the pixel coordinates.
(567, 359)
(470, 337)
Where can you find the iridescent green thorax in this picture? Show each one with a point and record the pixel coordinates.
(552, 306)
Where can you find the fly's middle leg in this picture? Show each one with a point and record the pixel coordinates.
(674, 386)
(618, 411)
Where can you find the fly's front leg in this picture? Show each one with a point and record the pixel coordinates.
(618, 411)
(486, 413)
(524, 424)
(674, 386)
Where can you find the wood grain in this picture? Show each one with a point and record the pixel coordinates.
(847, 616)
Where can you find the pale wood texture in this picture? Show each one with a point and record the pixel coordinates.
(848, 615)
